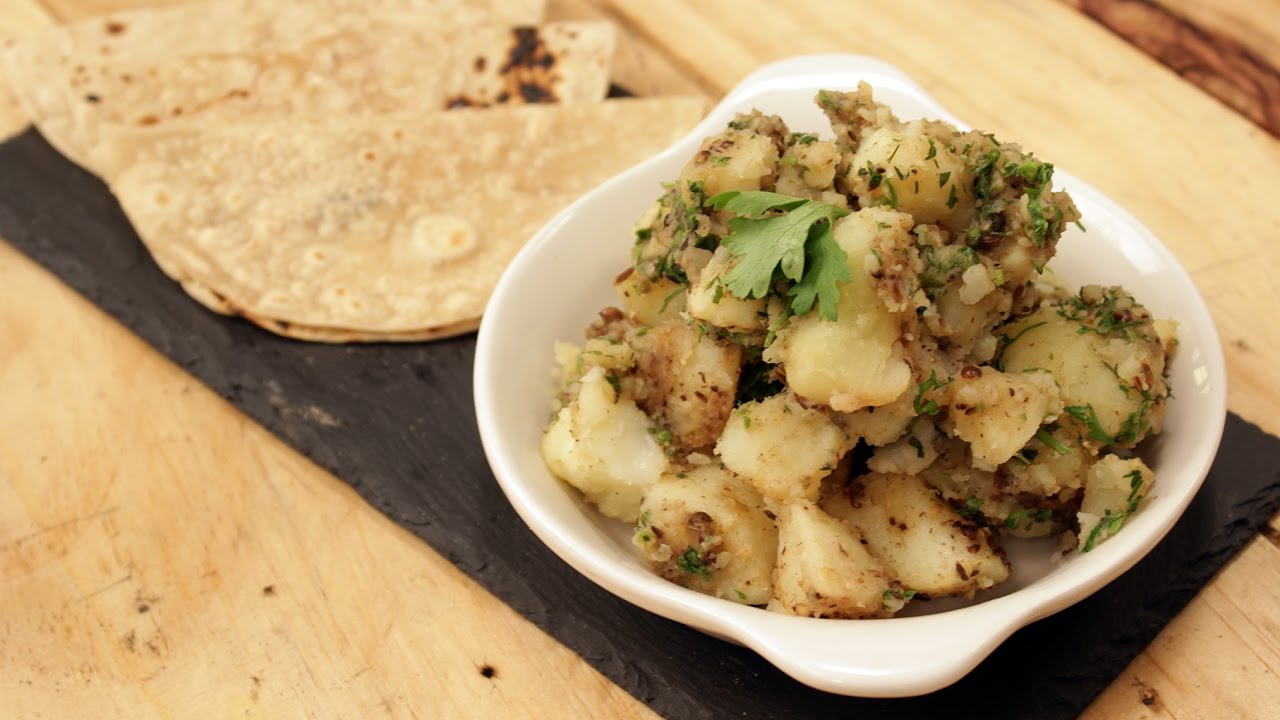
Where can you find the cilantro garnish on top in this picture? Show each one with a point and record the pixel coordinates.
(786, 239)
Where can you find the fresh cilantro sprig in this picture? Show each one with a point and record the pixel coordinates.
(787, 238)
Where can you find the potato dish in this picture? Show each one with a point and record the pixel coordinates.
(841, 373)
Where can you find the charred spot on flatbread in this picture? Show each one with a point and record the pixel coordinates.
(115, 27)
(157, 75)
(528, 71)
(534, 93)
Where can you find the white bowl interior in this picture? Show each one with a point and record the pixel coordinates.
(562, 278)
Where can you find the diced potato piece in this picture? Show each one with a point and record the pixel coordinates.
(1167, 331)
(857, 360)
(878, 426)
(975, 283)
(566, 355)
(998, 413)
(733, 160)
(963, 324)
(710, 301)
(781, 447)
(807, 167)
(854, 114)
(921, 542)
(979, 496)
(650, 302)
(691, 379)
(709, 531)
(601, 445)
(823, 569)
(608, 354)
(905, 168)
(1114, 490)
(1112, 384)
(910, 454)
(1050, 470)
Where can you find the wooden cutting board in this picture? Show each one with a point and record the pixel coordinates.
(124, 485)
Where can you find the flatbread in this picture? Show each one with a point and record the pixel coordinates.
(39, 65)
(398, 67)
(380, 226)
(310, 333)
(17, 19)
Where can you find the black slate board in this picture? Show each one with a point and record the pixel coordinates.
(405, 438)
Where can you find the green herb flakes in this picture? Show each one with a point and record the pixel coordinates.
(928, 407)
(691, 562)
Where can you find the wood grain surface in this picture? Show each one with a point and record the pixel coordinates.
(1221, 46)
(162, 556)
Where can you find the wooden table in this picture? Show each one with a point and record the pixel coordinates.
(149, 532)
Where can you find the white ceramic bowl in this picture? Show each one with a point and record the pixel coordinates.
(562, 278)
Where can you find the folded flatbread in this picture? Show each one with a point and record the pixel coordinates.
(48, 70)
(401, 67)
(385, 227)
(16, 20)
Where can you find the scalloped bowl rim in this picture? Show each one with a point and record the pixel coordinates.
(874, 658)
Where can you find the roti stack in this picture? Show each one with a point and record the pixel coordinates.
(340, 170)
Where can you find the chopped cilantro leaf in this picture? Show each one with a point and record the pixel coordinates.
(691, 562)
(972, 508)
(873, 175)
(671, 296)
(1006, 341)
(643, 528)
(1089, 418)
(929, 407)
(1135, 484)
(1136, 424)
(1109, 521)
(1052, 442)
(1107, 313)
(892, 193)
